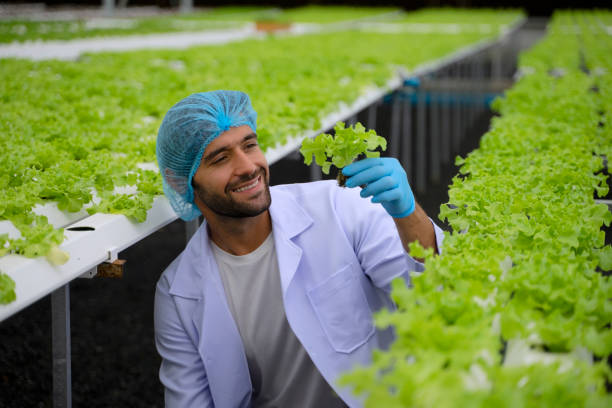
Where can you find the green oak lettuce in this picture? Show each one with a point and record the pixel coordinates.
(516, 311)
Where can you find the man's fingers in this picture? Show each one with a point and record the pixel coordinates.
(389, 195)
(368, 175)
(379, 186)
(360, 165)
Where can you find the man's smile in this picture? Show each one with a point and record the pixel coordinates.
(251, 186)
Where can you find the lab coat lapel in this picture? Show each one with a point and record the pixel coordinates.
(222, 350)
(220, 345)
(288, 220)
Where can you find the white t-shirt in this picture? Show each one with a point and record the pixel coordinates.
(282, 373)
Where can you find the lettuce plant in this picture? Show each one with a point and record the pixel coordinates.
(343, 147)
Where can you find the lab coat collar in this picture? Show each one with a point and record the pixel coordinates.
(288, 216)
(289, 219)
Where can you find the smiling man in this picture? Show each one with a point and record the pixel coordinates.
(248, 194)
(272, 299)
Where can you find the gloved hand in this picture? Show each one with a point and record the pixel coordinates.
(384, 179)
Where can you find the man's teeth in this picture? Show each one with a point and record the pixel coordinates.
(253, 184)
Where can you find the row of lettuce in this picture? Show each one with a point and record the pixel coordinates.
(45, 27)
(517, 310)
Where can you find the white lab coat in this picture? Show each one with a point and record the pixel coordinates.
(337, 254)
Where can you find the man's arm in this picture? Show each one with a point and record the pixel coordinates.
(384, 179)
(181, 372)
(416, 227)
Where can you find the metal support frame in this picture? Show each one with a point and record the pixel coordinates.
(395, 128)
(315, 172)
(447, 104)
(456, 108)
(448, 101)
(108, 7)
(434, 137)
(470, 106)
(421, 158)
(185, 6)
(372, 111)
(406, 155)
(445, 135)
(60, 339)
(496, 62)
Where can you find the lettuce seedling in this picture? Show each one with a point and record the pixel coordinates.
(341, 149)
(7, 289)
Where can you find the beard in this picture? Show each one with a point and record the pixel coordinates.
(225, 205)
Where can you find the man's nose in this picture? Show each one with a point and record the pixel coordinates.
(244, 163)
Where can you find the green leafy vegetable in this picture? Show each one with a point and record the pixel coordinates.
(515, 312)
(57, 257)
(341, 149)
(7, 289)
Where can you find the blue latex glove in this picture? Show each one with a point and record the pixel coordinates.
(385, 180)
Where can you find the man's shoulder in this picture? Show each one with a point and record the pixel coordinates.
(183, 276)
(168, 275)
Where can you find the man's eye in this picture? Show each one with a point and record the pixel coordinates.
(219, 159)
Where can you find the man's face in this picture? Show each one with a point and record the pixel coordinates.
(233, 177)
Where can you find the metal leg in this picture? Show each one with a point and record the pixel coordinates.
(456, 112)
(434, 136)
(185, 6)
(60, 339)
(395, 129)
(421, 148)
(482, 81)
(108, 7)
(315, 172)
(406, 155)
(462, 105)
(445, 133)
(496, 68)
(456, 123)
(372, 116)
(472, 95)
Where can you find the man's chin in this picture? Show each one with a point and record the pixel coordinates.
(250, 214)
(249, 210)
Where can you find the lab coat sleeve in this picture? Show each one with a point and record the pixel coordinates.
(182, 371)
(375, 239)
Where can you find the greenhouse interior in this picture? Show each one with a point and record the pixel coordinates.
(305, 204)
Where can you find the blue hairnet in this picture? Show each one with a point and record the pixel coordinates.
(188, 127)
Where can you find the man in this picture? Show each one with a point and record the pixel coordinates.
(272, 299)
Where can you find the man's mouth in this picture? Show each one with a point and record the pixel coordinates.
(249, 186)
